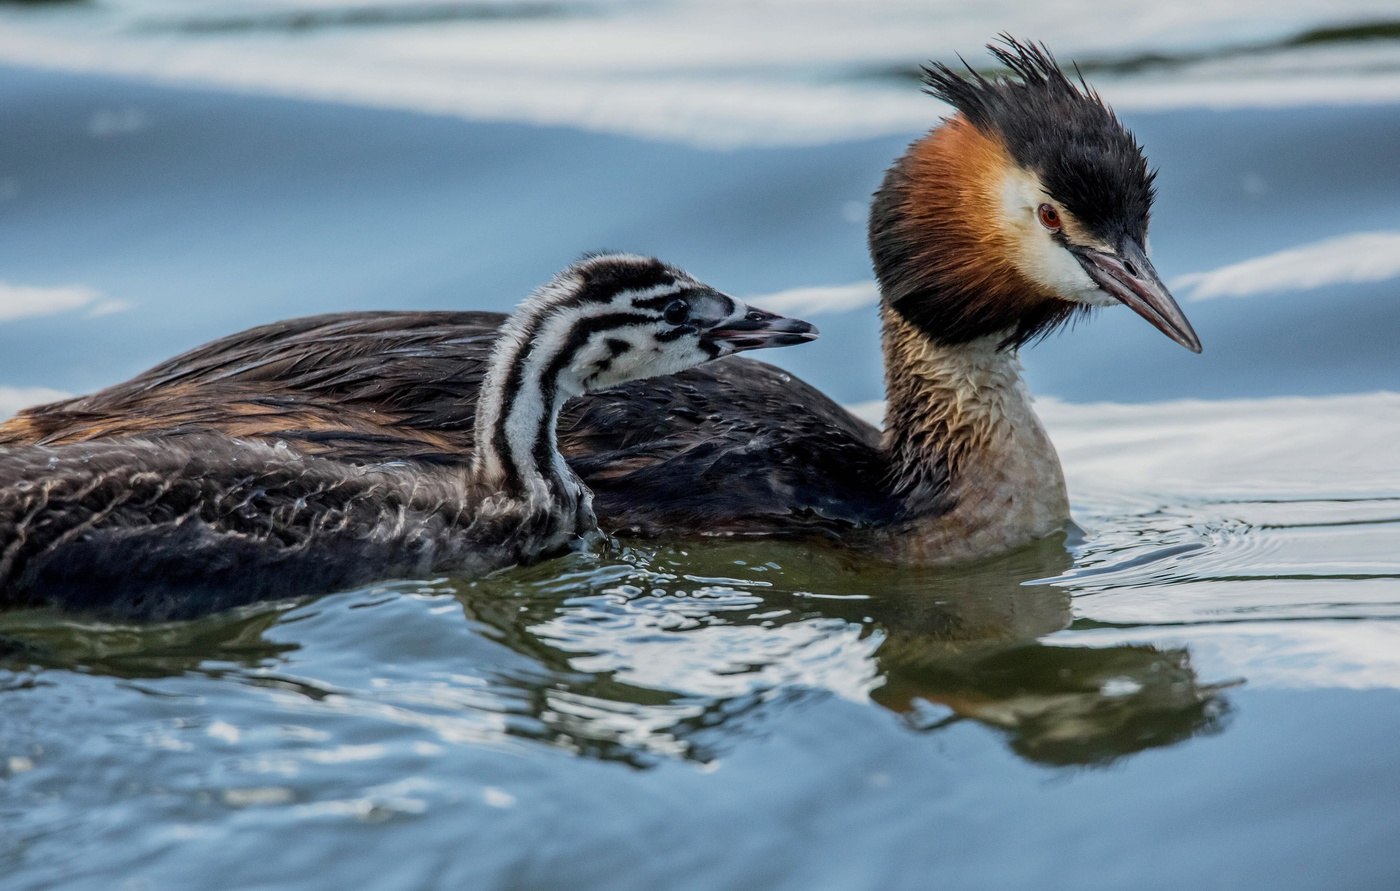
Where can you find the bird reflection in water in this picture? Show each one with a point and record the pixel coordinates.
(704, 633)
(642, 655)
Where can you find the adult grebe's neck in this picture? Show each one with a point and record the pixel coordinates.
(959, 426)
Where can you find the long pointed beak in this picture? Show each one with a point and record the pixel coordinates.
(1129, 276)
(758, 329)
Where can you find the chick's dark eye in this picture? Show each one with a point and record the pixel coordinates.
(676, 312)
(1049, 216)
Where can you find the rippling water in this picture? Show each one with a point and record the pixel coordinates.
(1200, 686)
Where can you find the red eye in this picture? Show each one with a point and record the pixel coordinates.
(1049, 217)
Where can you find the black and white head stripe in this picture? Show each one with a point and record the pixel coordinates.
(1060, 130)
(599, 280)
(596, 294)
(603, 274)
(600, 322)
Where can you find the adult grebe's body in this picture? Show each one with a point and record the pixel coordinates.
(177, 525)
(1028, 205)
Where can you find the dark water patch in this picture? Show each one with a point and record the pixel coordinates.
(1091, 65)
(214, 644)
(1363, 32)
(1381, 29)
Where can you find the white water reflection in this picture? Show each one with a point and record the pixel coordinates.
(1291, 447)
(30, 301)
(12, 399)
(707, 73)
(819, 300)
(638, 646)
(1292, 654)
(1342, 260)
(24, 301)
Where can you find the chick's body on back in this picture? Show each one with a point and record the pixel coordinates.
(183, 521)
(735, 445)
(1027, 206)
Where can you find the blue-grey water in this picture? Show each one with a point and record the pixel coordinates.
(1199, 689)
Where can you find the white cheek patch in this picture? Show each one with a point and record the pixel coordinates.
(645, 356)
(1035, 251)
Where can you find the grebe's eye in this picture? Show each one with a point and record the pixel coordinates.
(677, 312)
(1049, 217)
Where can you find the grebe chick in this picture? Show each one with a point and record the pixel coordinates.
(176, 526)
(1028, 206)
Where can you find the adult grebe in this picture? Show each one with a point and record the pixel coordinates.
(172, 526)
(1030, 204)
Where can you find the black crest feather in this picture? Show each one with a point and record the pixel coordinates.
(1061, 130)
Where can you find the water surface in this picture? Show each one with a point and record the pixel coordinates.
(1198, 687)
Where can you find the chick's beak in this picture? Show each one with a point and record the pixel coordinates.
(1129, 276)
(757, 329)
